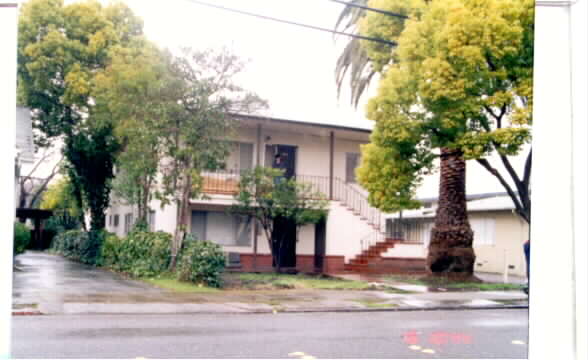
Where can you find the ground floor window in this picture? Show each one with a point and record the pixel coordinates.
(418, 231)
(222, 228)
(484, 231)
(128, 223)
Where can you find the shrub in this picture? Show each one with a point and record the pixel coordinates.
(80, 245)
(140, 254)
(201, 262)
(109, 250)
(22, 238)
(68, 243)
(61, 222)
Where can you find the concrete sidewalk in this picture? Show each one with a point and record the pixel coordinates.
(49, 284)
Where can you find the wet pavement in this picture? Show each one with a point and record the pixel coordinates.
(472, 334)
(52, 285)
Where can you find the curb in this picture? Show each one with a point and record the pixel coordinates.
(302, 311)
(406, 309)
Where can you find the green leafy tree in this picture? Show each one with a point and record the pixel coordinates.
(458, 85)
(137, 75)
(193, 136)
(62, 48)
(267, 197)
(59, 197)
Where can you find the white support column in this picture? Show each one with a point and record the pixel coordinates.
(579, 37)
(8, 33)
(552, 306)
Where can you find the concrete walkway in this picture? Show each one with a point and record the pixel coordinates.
(50, 284)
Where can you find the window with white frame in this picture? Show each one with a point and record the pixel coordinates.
(221, 228)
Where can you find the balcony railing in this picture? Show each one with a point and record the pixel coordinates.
(226, 182)
(221, 182)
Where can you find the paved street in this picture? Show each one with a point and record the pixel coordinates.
(440, 334)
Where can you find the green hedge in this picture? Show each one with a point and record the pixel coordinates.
(80, 245)
(22, 238)
(140, 254)
(144, 254)
(201, 262)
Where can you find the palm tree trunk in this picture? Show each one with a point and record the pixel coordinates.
(450, 249)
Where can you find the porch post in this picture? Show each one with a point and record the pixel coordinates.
(255, 223)
(331, 163)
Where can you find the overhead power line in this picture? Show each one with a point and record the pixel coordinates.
(367, 38)
(380, 11)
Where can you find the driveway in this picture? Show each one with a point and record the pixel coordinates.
(45, 282)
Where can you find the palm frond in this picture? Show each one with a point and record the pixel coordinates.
(354, 60)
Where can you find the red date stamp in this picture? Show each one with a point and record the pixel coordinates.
(438, 338)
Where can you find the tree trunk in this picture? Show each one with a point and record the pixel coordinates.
(450, 249)
(182, 222)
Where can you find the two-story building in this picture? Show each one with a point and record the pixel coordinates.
(323, 155)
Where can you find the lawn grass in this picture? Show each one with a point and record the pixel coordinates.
(255, 281)
(171, 283)
(485, 286)
(453, 284)
(299, 281)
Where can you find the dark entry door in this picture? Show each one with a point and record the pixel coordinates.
(320, 242)
(288, 156)
(285, 229)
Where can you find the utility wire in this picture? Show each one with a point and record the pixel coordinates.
(367, 38)
(380, 11)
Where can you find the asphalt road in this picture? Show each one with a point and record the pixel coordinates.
(413, 334)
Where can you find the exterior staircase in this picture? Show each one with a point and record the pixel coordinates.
(376, 242)
(369, 256)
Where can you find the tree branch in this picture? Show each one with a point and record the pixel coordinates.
(519, 208)
(527, 173)
(513, 174)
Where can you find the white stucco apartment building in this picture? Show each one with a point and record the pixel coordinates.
(320, 154)
(355, 236)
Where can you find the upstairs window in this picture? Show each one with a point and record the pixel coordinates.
(352, 161)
